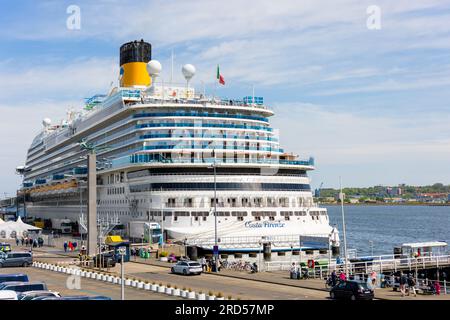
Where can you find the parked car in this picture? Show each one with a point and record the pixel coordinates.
(23, 286)
(13, 277)
(32, 295)
(16, 259)
(8, 295)
(76, 298)
(187, 267)
(353, 290)
(107, 260)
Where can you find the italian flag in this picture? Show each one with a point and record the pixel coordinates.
(220, 77)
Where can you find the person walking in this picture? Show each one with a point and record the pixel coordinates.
(403, 281)
(411, 285)
(17, 241)
(342, 276)
(373, 278)
(70, 246)
(21, 240)
(437, 287)
(65, 246)
(203, 264)
(333, 278)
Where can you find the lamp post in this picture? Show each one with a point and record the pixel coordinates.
(216, 253)
(341, 196)
(329, 253)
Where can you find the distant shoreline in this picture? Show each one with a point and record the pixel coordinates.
(388, 204)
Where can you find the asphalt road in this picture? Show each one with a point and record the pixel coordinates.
(237, 288)
(58, 282)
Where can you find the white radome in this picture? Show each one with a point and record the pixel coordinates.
(188, 71)
(154, 67)
(46, 122)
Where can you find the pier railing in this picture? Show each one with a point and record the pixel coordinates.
(366, 265)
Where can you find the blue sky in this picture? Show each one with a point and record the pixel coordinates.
(371, 106)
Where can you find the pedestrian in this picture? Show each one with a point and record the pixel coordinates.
(75, 245)
(373, 277)
(203, 264)
(40, 241)
(403, 281)
(333, 278)
(65, 246)
(17, 241)
(437, 287)
(411, 285)
(293, 271)
(70, 246)
(342, 276)
(21, 240)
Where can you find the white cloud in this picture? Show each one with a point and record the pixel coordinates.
(412, 148)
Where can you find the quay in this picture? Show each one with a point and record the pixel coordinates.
(274, 283)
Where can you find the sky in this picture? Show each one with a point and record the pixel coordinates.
(365, 92)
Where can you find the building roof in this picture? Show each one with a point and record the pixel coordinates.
(425, 244)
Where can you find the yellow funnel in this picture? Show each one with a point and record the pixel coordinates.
(133, 63)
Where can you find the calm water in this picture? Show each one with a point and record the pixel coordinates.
(388, 226)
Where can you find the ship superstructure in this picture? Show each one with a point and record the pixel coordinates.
(163, 150)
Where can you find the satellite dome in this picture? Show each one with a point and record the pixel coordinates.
(188, 71)
(46, 122)
(154, 67)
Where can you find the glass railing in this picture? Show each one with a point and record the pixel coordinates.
(155, 158)
(199, 114)
(167, 135)
(201, 125)
(217, 147)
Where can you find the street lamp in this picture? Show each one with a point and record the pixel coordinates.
(216, 252)
(341, 196)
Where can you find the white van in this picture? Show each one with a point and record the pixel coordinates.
(8, 295)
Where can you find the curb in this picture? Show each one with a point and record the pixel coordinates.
(129, 282)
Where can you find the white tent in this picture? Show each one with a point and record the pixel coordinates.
(13, 229)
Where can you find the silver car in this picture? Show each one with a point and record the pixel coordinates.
(187, 267)
(16, 259)
(33, 295)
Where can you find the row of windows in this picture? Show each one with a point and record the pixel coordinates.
(203, 214)
(120, 190)
(220, 186)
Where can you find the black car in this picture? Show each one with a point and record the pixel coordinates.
(107, 260)
(353, 290)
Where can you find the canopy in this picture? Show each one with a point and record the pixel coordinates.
(13, 229)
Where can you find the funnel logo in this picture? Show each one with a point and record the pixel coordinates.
(121, 72)
(73, 21)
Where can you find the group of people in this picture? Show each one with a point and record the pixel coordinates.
(408, 285)
(297, 272)
(334, 278)
(70, 246)
(29, 242)
(140, 252)
(208, 264)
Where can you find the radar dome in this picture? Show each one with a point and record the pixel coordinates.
(46, 122)
(154, 67)
(188, 71)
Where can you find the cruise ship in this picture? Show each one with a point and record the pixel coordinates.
(165, 153)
